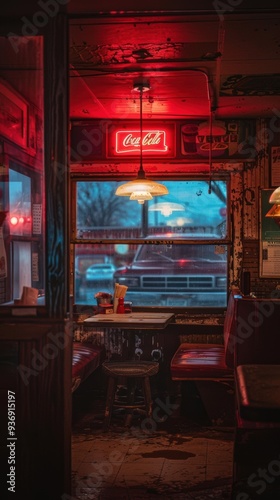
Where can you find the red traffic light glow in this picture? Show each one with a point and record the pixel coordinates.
(19, 219)
(14, 220)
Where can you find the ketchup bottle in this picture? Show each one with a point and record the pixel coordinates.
(120, 308)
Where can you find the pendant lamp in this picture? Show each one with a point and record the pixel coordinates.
(166, 208)
(141, 189)
(275, 197)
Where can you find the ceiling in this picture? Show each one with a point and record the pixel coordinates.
(195, 64)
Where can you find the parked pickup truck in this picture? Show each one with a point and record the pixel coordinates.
(173, 274)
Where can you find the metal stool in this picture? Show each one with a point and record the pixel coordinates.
(134, 372)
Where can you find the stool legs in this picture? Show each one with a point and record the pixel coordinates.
(111, 390)
(147, 395)
(131, 389)
(130, 404)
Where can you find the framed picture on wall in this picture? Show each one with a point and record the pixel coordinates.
(275, 166)
(13, 115)
(269, 237)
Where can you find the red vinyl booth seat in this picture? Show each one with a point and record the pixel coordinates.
(200, 361)
(208, 361)
(86, 359)
(251, 336)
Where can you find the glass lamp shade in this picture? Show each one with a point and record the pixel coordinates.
(275, 197)
(166, 208)
(141, 190)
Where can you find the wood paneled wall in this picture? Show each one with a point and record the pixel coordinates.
(36, 361)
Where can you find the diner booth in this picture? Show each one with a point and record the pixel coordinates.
(139, 235)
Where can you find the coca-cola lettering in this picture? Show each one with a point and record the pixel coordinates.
(151, 138)
(153, 141)
(129, 140)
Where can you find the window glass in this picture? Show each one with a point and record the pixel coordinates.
(189, 207)
(178, 256)
(180, 253)
(19, 203)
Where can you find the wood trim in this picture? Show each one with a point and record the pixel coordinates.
(56, 165)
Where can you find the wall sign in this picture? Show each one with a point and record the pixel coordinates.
(269, 239)
(226, 138)
(153, 141)
(158, 140)
(182, 139)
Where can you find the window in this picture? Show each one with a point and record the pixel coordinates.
(169, 252)
(19, 203)
(22, 199)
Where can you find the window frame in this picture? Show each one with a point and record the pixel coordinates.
(226, 241)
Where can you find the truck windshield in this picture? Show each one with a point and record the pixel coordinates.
(151, 252)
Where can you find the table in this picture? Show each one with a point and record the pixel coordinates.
(123, 344)
(132, 320)
(258, 392)
(120, 326)
(257, 433)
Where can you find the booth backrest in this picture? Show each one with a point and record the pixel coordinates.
(257, 331)
(229, 329)
(251, 331)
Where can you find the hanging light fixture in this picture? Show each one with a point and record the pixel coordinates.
(141, 189)
(275, 197)
(166, 208)
(274, 211)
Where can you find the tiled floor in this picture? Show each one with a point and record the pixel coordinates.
(168, 457)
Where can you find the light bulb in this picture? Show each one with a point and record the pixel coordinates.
(141, 196)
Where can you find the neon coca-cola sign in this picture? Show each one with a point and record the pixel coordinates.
(128, 141)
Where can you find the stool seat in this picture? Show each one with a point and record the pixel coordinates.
(135, 373)
(130, 368)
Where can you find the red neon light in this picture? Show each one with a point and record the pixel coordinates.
(128, 141)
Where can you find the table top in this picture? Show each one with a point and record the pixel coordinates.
(154, 320)
(258, 392)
